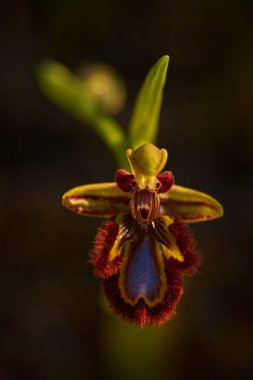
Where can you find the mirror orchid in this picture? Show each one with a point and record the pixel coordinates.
(144, 248)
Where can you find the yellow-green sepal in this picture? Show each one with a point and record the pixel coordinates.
(102, 200)
(190, 206)
(146, 162)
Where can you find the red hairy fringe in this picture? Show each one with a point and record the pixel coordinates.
(141, 314)
(188, 247)
(99, 254)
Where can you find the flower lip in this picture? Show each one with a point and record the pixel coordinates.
(151, 299)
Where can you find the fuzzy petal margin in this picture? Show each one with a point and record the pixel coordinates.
(105, 255)
(143, 314)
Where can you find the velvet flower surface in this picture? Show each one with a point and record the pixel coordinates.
(144, 248)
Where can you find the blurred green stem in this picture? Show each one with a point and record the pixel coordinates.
(66, 90)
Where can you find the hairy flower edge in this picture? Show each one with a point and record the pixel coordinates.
(142, 314)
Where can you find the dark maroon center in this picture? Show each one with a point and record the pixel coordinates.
(145, 205)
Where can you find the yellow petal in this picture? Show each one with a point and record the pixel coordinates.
(102, 199)
(189, 206)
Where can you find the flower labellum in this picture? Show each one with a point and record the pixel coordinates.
(144, 248)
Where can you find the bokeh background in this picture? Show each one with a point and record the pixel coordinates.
(53, 323)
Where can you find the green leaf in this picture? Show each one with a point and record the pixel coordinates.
(66, 90)
(144, 122)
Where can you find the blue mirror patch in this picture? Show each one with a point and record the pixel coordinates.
(143, 277)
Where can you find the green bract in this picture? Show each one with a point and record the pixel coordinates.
(144, 122)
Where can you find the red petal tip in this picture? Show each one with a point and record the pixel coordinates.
(167, 180)
(124, 179)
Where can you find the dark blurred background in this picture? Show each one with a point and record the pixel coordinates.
(52, 323)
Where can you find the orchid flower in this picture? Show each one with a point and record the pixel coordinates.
(144, 247)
